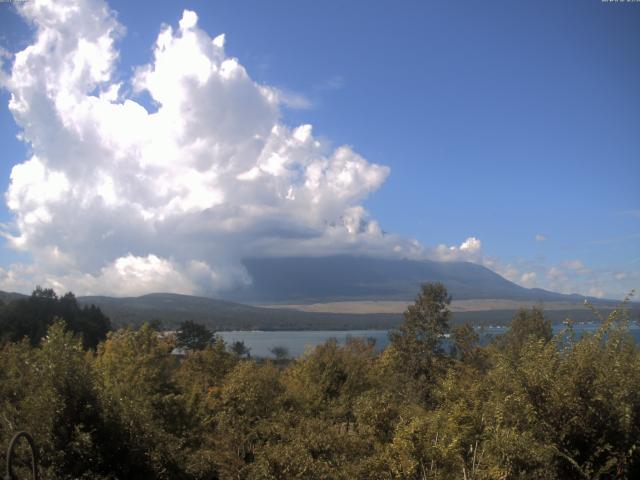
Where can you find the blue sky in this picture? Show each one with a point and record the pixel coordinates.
(498, 120)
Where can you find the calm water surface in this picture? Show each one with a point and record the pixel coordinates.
(297, 342)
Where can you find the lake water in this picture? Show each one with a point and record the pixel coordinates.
(297, 342)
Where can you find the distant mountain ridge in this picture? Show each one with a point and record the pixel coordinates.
(287, 280)
(172, 309)
(281, 280)
(9, 296)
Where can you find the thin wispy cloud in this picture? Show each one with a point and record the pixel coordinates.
(333, 83)
(296, 101)
(633, 213)
(613, 240)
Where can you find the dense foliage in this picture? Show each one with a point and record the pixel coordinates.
(193, 336)
(31, 317)
(528, 406)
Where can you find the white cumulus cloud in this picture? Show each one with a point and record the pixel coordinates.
(134, 200)
(469, 250)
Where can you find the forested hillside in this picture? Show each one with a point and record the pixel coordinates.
(172, 309)
(30, 317)
(528, 406)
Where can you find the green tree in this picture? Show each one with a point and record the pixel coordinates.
(200, 378)
(466, 347)
(30, 317)
(250, 401)
(307, 448)
(327, 380)
(566, 408)
(280, 353)
(193, 336)
(417, 343)
(48, 391)
(143, 408)
(239, 349)
(526, 325)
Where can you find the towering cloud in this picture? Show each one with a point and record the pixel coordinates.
(121, 199)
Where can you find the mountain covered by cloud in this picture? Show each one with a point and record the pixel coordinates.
(167, 179)
(123, 199)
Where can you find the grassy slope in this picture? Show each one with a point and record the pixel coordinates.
(219, 315)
